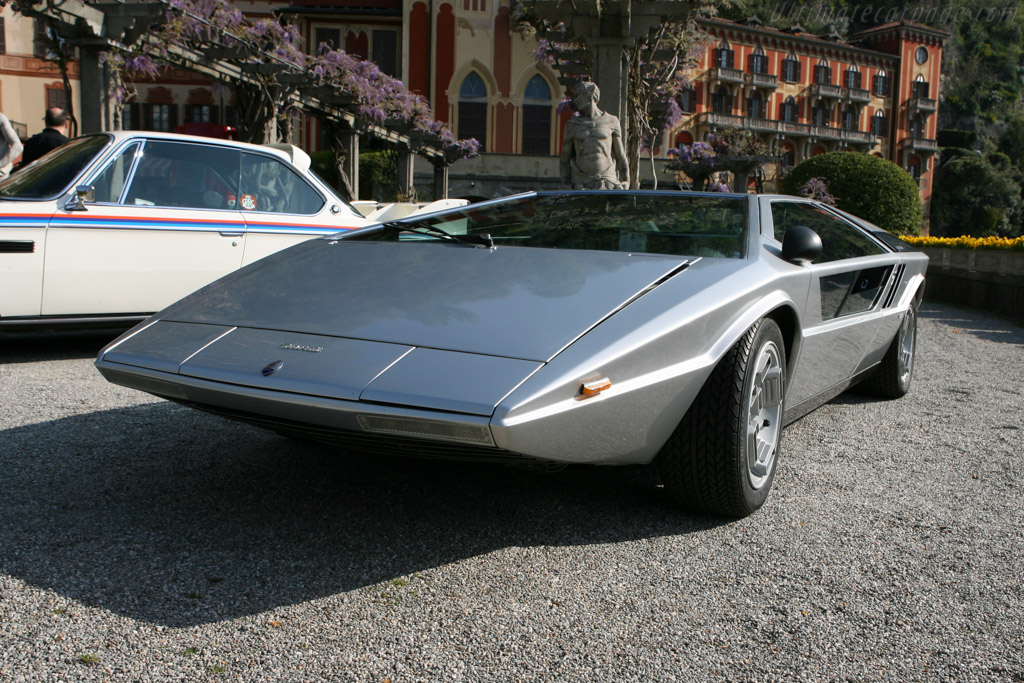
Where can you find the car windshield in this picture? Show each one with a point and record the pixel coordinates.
(636, 222)
(52, 175)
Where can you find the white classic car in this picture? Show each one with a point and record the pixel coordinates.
(115, 226)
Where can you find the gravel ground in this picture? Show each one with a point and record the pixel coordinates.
(140, 540)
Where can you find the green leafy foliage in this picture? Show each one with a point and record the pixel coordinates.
(864, 185)
(977, 195)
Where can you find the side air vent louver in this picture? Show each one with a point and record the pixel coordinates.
(17, 246)
(897, 279)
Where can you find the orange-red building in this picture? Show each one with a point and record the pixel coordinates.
(806, 94)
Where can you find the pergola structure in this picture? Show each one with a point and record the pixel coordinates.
(608, 28)
(99, 27)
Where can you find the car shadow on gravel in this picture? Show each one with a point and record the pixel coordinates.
(178, 518)
(22, 347)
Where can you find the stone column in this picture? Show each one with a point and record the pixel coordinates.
(406, 190)
(610, 75)
(95, 110)
(440, 181)
(350, 142)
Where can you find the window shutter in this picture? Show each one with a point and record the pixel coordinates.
(731, 57)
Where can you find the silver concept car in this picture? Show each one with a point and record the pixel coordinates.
(593, 327)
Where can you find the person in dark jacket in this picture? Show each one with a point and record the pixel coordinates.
(52, 137)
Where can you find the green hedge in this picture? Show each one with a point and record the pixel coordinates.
(865, 185)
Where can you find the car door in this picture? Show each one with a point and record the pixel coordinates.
(28, 199)
(162, 225)
(841, 317)
(281, 207)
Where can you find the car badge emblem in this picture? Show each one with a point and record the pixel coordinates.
(271, 368)
(301, 347)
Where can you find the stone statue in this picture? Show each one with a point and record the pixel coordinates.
(593, 157)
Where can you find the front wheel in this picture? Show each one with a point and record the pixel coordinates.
(723, 455)
(892, 378)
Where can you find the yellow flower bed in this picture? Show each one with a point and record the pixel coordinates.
(965, 242)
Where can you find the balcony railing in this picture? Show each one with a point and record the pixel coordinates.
(725, 75)
(857, 95)
(861, 136)
(759, 124)
(825, 132)
(788, 128)
(715, 119)
(923, 104)
(762, 80)
(826, 90)
(920, 145)
(793, 128)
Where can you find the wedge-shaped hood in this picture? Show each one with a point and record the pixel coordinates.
(519, 303)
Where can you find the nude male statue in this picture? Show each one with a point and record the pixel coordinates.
(593, 157)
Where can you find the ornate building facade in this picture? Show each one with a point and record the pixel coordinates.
(802, 94)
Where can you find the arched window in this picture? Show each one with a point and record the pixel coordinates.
(724, 57)
(852, 78)
(688, 100)
(788, 155)
(920, 86)
(757, 62)
(755, 105)
(537, 117)
(823, 72)
(473, 109)
(791, 68)
(879, 125)
(917, 126)
(850, 117)
(821, 114)
(789, 112)
(721, 102)
(880, 85)
(914, 166)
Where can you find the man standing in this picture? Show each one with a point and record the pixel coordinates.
(592, 155)
(52, 137)
(10, 146)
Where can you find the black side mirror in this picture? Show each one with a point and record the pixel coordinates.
(801, 245)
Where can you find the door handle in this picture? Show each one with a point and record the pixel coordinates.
(231, 234)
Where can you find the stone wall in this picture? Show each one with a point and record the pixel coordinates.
(988, 279)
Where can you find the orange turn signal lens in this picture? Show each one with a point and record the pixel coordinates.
(595, 387)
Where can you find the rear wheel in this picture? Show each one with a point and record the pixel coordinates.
(892, 378)
(722, 457)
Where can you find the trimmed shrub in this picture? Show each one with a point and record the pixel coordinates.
(866, 186)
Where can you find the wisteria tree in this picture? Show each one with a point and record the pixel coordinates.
(270, 57)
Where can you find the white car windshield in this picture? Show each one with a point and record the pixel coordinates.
(53, 175)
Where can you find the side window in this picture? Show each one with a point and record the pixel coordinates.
(852, 292)
(270, 185)
(110, 182)
(839, 239)
(185, 175)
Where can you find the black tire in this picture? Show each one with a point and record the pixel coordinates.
(895, 372)
(710, 462)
